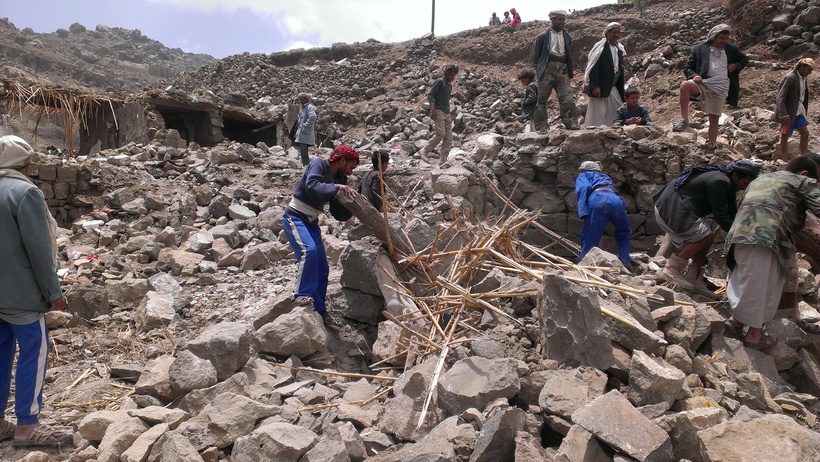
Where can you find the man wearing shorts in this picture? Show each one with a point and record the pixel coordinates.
(680, 209)
(792, 106)
(713, 76)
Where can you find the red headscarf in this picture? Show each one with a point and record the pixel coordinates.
(343, 152)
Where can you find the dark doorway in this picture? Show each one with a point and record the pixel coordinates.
(193, 126)
(247, 131)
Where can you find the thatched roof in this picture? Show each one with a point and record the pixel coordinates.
(74, 106)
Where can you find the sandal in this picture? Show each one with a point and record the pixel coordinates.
(44, 435)
(764, 343)
(680, 125)
(732, 331)
(8, 431)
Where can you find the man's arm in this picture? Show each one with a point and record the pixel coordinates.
(431, 97)
(582, 187)
(307, 126)
(741, 60)
(36, 238)
(646, 119)
(568, 50)
(719, 194)
(537, 48)
(691, 68)
(530, 96)
(783, 91)
(315, 185)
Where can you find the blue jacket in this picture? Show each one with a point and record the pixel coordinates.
(28, 278)
(316, 187)
(585, 184)
(306, 133)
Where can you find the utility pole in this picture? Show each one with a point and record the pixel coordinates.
(433, 21)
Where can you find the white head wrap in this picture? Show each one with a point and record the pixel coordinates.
(555, 13)
(715, 31)
(15, 153)
(590, 165)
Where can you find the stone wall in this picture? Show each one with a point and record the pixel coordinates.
(67, 187)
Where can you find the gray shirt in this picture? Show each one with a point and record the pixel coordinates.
(28, 278)
(439, 95)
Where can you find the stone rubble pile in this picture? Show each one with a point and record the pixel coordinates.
(566, 383)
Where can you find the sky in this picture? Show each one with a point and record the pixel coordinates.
(222, 28)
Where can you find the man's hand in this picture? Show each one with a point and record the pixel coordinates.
(433, 113)
(346, 190)
(60, 304)
(596, 92)
(697, 79)
(633, 121)
(731, 67)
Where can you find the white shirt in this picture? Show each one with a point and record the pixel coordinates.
(717, 77)
(557, 43)
(801, 110)
(613, 49)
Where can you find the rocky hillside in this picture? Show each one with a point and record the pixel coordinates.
(106, 59)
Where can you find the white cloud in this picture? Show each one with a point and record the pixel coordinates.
(323, 22)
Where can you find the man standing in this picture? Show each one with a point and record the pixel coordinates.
(793, 105)
(320, 183)
(599, 204)
(29, 287)
(680, 209)
(527, 79)
(761, 249)
(439, 99)
(553, 64)
(604, 78)
(713, 76)
(305, 133)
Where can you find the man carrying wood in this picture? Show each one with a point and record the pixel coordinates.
(321, 182)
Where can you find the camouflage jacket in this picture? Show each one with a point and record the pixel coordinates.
(773, 210)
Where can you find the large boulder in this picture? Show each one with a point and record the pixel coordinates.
(274, 441)
(402, 412)
(474, 382)
(226, 345)
(572, 324)
(654, 381)
(776, 436)
(566, 390)
(613, 420)
(300, 332)
(358, 260)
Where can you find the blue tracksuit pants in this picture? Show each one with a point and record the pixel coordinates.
(313, 269)
(606, 206)
(31, 368)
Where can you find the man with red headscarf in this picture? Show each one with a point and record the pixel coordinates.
(321, 182)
